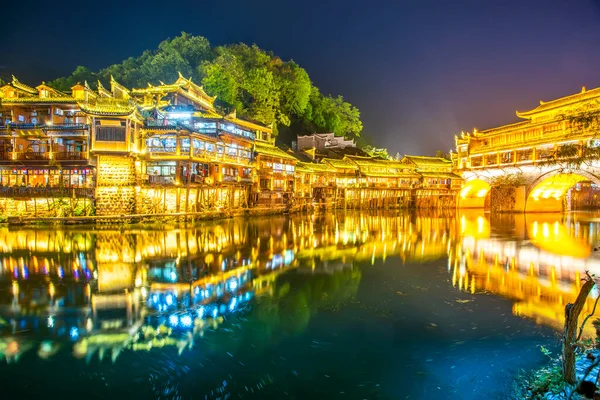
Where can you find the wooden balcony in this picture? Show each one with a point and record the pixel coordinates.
(43, 156)
(70, 155)
(43, 192)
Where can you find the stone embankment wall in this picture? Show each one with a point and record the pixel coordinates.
(507, 199)
(115, 185)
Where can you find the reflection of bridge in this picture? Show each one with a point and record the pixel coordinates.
(541, 275)
(541, 151)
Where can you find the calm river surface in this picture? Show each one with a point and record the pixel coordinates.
(332, 306)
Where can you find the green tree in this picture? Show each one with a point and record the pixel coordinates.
(375, 152)
(259, 85)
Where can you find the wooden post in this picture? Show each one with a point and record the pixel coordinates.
(572, 311)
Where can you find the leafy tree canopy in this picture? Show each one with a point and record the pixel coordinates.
(259, 85)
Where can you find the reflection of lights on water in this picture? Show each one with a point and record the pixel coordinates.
(186, 321)
(233, 304)
(233, 285)
(173, 276)
(215, 312)
(50, 322)
(201, 312)
(173, 320)
(144, 292)
(74, 333)
(169, 299)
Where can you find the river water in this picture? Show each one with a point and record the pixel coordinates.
(335, 305)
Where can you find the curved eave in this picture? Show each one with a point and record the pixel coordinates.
(561, 102)
(107, 113)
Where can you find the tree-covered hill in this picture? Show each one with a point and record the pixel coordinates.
(259, 85)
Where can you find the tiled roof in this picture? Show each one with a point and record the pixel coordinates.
(314, 167)
(108, 107)
(423, 161)
(563, 101)
(273, 151)
(341, 164)
(40, 100)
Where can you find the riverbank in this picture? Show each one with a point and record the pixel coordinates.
(141, 218)
(547, 382)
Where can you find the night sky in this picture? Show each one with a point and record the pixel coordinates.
(420, 71)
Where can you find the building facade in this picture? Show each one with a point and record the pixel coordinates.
(167, 149)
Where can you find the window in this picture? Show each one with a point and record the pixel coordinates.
(506, 157)
(524, 155)
(476, 161)
(110, 133)
(491, 159)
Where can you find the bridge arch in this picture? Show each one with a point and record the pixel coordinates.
(548, 192)
(474, 194)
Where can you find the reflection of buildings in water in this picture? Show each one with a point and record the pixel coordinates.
(542, 274)
(142, 289)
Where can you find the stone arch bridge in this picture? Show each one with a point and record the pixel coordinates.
(532, 188)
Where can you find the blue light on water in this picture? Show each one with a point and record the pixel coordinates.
(50, 322)
(173, 320)
(169, 299)
(201, 312)
(215, 312)
(74, 333)
(233, 285)
(186, 321)
(233, 304)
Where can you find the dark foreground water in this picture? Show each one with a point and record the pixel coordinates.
(355, 306)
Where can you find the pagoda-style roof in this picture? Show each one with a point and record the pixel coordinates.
(44, 94)
(21, 89)
(272, 151)
(18, 85)
(584, 95)
(102, 91)
(108, 107)
(51, 91)
(182, 86)
(118, 90)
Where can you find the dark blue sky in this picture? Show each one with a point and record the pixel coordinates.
(420, 71)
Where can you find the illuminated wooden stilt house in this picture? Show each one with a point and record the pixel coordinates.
(438, 186)
(275, 181)
(380, 183)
